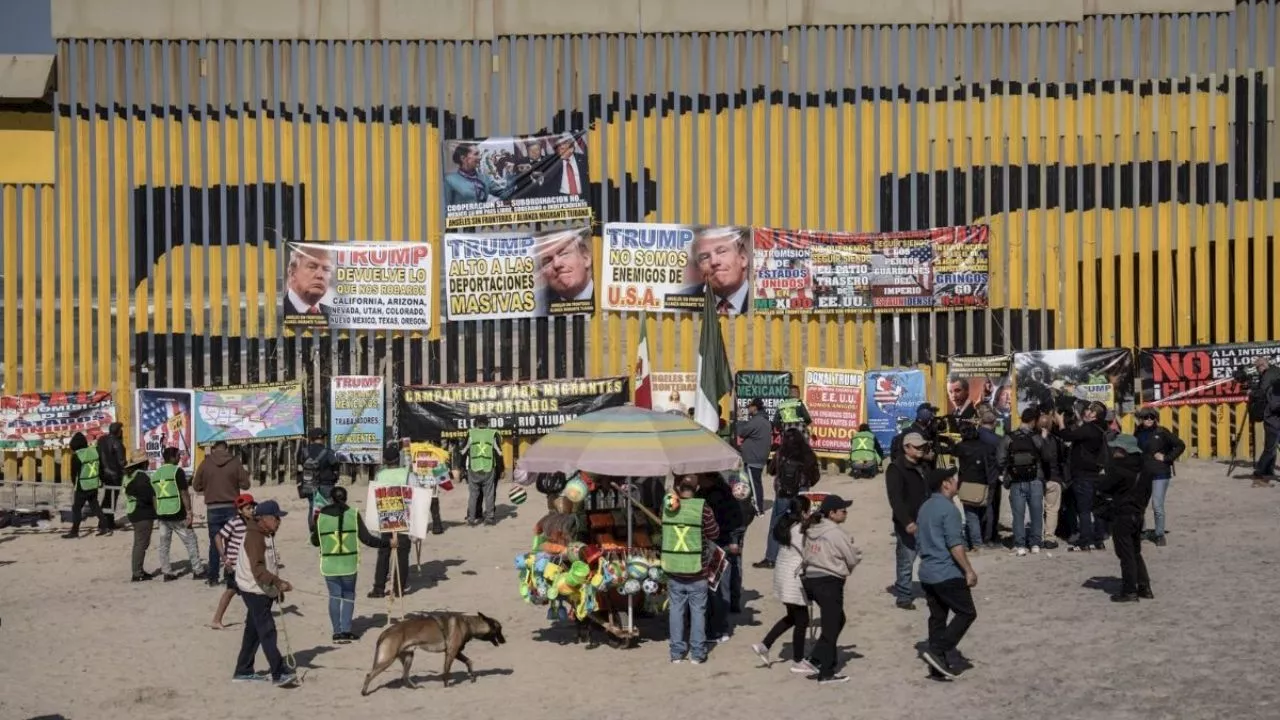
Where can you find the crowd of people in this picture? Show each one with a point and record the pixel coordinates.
(1064, 475)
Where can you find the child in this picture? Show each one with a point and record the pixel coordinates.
(228, 541)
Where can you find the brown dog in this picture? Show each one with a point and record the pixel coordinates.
(446, 633)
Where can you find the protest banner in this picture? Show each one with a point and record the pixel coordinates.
(358, 286)
(501, 276)
(1104, 375)
(892, 401)
(164, 419)
(393, 507)
(666, 268)
(47, 421)
(249, 413)
(447, 412)
(769, 385)
(673, 391)
(516, 180)
(973, 380)
(802, 271)
(1194, 375)
(357, 416)
(834, 399)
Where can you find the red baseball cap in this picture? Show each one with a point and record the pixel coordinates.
(244, 500)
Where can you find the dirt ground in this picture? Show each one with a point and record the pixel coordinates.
(80, 641)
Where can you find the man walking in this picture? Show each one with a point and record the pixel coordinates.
(481, 451)
(175, 514)
(111, 455)
(945, 574)
(755, 438)
(687, 526)
(86, 470)
(390, 475)
(257, 568)
(907, 487)
(221, 478)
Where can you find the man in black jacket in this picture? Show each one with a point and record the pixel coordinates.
(1264, 407)
(1023, 457)
(977, 462)
(906, 483)
(111, 454)
(729, 516)
(926, 426)
(1160, 449)
(317, 471)
(1086, 461)
(1126, 488)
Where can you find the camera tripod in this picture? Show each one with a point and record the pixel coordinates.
(1235, 444)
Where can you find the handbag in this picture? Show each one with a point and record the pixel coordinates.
(974, 494)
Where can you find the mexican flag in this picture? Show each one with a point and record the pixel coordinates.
(714, 380)
(644, 390)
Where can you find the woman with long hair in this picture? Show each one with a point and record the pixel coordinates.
(795, 469)
(829, 558)
(789, 536)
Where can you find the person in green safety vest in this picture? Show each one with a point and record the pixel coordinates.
(688, 527)
(392, 473)
(865, 453)
(792, 413)
(338, 532)
(482, 451)
(140, 506)
(86, 472)
(175, 514)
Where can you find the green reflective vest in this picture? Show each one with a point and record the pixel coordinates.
(164, 482)
(130, 502)
(789, 411)
(90, 469)
(339, 537)
(482, 442)
(863, 448)
(682, 538)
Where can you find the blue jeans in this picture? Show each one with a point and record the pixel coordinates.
(1089, 528)
(218, 517)
(973, 525)
(688, 596)
(1159, 488)
(342, 601)
(757, 488)
(1024, 496)
(781, 506)
(906, 560)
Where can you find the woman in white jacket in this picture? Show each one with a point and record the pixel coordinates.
(788, 588)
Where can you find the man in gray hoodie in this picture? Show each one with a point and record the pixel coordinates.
(220, 478)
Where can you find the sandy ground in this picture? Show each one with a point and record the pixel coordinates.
(80, 641)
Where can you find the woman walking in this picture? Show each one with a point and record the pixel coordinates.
(829, 558)
(788, 588)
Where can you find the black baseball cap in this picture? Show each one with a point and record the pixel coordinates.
(926, 406)
(268, 508)
(831, 503)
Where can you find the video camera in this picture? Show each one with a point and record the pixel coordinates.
(1245, 374)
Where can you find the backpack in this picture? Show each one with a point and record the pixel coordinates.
(1024, 457)
(973, 466)
(310, 473)
(789, 478)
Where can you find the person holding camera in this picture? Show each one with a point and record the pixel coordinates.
(1087, 457)
(1264, 407)
(1024, 456)
(926, 425)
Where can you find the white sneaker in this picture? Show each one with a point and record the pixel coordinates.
(761, 652)
(720, 640)
(1035, 549)
(1020, 552)
(804, 667)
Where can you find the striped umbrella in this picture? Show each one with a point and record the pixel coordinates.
(630, 441)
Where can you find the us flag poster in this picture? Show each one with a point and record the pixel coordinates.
(164, 420)
(893, 396)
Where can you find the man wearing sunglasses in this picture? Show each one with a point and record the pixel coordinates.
(907, 485)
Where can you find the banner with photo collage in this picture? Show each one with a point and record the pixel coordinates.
(358, 286)
(806, 271)
(516, 180)
(504, 276)
(976, 380)
(667, 268)
(1085, 375)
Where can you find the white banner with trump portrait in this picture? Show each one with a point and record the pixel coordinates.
(358, 286)
(504, 276)
(666, 268)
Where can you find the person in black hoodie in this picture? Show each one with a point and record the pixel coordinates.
(728, 512)
(317, 470)
(906, 483)
(111, 454)
(86, 486)
(1124, 492)
(1086, 459)
(1160, 449)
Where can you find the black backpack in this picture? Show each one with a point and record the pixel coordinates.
(1024, 457)
(973, 463)
(789, 477)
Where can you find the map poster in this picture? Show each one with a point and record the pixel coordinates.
(771, 386)
(249, 413)
(48, 421)
(892, 399)
(834, 399)
(393, 507)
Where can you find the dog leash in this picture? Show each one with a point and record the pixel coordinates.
(289, 659)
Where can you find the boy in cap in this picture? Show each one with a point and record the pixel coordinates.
(228, 541)
(260, 586)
